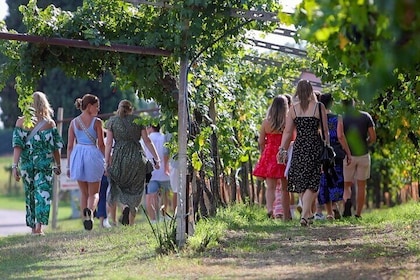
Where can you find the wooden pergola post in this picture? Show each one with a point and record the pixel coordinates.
(56, 185)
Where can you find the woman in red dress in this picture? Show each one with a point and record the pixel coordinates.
(267, 167)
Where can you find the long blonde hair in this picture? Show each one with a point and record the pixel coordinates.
(41, 106)
(124, 108)
(276, 115)
(304, 93)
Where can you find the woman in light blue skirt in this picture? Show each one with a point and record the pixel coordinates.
(85, 151)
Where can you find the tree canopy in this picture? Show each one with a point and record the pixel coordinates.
(364, 49)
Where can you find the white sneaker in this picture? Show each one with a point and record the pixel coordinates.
(106, 224)
(319, 216)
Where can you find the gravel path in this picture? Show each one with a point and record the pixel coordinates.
(13, 222)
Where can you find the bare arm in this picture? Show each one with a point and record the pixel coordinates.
(70, 144)
(166, 164)
(108, 147)
(342, 139)
(372, 135)
(16, 154)
(100, 132)
(288, 133)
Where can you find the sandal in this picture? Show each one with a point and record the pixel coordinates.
(304, 222)
(330, 217)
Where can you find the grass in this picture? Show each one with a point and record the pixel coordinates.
(240, 234)
(8, 185)
(238, 243)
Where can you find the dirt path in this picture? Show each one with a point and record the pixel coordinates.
(336, 252)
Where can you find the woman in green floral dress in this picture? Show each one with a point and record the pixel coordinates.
(35, 150)
(127, 166)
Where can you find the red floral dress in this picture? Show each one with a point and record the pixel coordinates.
(267, 166)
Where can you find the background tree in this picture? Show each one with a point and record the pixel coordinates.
(369, 50)
(61, 90)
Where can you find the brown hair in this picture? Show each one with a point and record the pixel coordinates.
(41, 106)
(82, 103)
(124, 108)
(276, 114)
(304, 92)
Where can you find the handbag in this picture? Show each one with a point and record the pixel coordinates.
(327, 157)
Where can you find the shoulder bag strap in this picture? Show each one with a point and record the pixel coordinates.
(82, 125)
(320, 118)
(35, 130)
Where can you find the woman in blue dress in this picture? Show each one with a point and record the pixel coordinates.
(331, 191)
(85, 154)
(35, 150)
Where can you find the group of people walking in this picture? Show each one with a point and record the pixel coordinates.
(120, 161)
(290, 143)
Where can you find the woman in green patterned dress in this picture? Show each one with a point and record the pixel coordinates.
(35, 149)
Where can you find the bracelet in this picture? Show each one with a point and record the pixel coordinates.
(14, 165)
(282, 150)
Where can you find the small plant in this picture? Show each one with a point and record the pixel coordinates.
(164, 233)
(207, 234)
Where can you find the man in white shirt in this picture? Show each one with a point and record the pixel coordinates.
(160, 181)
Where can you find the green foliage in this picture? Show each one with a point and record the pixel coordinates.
(207, 234)
(164, 233)
(365, 41)
(184, 28)
(240, 92)
(368, 50)
(241, 215)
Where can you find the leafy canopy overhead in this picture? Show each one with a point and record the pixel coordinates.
(195, 29)
(363, 44)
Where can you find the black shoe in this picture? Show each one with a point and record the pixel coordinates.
(337, 214)
(125, 219)
(357, 216)
(88, 222)
(347, 208)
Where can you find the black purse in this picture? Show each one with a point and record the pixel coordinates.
(327, 156)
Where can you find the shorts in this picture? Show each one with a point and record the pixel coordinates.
(154, 186)
(358, 169)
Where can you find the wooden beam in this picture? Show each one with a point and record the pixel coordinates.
(74, 43)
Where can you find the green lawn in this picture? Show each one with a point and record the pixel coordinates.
(239, 243)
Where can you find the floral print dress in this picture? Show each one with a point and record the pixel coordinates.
(35, 167)
(128, 169)
(305, 167)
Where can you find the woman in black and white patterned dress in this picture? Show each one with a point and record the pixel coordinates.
(305, 169)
